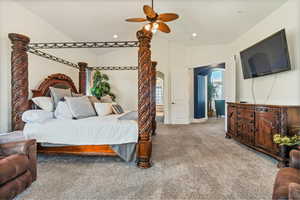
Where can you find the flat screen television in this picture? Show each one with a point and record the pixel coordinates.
(268, 56)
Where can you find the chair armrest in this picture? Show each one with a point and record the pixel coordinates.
(295, 159)
(19, 147)
(27, 147)
(294, 191)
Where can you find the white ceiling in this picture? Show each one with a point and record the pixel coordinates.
(215, 21)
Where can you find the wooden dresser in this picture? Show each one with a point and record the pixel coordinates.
(254, 125)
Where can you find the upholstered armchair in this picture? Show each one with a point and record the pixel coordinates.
(17, 167)
(287, 183)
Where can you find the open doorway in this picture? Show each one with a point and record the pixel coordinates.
(209, 100)
(159, 97)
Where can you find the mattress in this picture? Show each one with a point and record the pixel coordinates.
(106, 130)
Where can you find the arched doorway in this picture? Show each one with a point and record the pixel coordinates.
(209, 98)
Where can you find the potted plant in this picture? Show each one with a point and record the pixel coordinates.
(286, 143)
(101, 87)
(211, 94)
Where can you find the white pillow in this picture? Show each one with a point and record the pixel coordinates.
(103, 109)
(45, 103)
(36, 116)
(63, 111)
(58, 93)
(80, 107)
(106, 99)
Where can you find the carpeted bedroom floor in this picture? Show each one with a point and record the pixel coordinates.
(190, 162)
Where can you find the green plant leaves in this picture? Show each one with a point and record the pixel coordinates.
(286, 140)
(105, 77)
(100, 86)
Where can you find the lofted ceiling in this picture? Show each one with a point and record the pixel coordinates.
(214, 21)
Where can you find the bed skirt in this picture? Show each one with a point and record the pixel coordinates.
(125, 151)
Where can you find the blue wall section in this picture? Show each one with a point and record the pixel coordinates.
(199, 94)
(201, 97)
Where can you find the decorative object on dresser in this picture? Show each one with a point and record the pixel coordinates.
(255, 125)
(286, 143)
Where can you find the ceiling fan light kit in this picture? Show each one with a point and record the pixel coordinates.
(153, 27)
(157, 21)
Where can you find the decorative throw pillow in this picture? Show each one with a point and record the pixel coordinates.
(57, 94)
(77, 95)
(94, 99)
(106, 99)
(63, 111)
(117, 109)
(45, 103)
(103, 109)
(80, 107)
(36, 116)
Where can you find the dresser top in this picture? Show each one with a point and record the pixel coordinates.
(265, 105)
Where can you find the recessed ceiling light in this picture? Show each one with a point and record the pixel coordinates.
(194, 34)
(115, 36)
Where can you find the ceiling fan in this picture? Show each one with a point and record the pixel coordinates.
(157, 21)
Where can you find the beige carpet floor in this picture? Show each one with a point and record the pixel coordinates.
(190, 162)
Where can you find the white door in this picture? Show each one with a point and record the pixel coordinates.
(180, 100)
(179, 85)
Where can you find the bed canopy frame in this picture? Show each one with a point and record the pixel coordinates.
(20, 102)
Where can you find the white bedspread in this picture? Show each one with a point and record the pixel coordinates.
(89, 131)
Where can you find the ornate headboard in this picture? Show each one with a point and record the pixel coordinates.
(54, 80)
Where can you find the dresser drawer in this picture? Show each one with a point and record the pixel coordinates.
(248, 114)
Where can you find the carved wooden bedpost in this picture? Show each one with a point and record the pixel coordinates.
(82, 77)
(19, 79)
(144, 99)
(153, 97)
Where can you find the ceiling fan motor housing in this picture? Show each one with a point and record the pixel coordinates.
(154, 19)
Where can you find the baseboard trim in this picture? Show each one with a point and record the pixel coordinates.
(202, 120)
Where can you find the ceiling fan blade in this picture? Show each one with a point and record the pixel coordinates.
(167, 17)
(163, 27)
(136, 20)
(149, 11)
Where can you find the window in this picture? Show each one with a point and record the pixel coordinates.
(88, 82)
(217, 77)
(159, 95)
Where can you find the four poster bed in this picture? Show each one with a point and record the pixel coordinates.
(146, 90)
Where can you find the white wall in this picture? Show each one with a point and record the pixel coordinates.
(124, 83)
(286, 88)
(16, 19)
